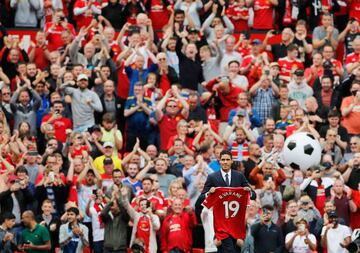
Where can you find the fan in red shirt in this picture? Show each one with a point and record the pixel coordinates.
(227, 93)
(252, 64)
(109, 34)
(239, 15)
(54, 29)
(159, 12)
(176, 231)
(84, 12)
(39, 52)
(352, 60)
(354, 204)
(59, 122)
(354, 10)
(229, 207)
(263, 14)
(289, 63)
(168, 120)
(156, 203)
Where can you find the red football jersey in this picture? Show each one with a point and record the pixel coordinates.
(229, 207)
(352, 58)
(263, 15)
(287, 66)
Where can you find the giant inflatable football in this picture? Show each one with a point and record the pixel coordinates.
(302, 151)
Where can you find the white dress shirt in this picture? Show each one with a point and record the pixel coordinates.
(223, 173)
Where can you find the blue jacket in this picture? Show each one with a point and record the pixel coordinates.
(254, 118)
(133, 75)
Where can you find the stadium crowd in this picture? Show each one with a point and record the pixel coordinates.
(116, 112)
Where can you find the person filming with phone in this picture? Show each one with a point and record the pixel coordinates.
(300, 240)
(350, 109)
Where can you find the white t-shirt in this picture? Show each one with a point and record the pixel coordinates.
(97, 231)
(335, 236)
(299, 245)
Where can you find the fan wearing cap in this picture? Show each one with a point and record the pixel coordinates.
(300, 240)
(253, 63)
(108, 153)
(84, 103)
(334, 236)
(299, 90)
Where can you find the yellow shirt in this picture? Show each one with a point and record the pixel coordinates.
(109, 136)
(99, 163)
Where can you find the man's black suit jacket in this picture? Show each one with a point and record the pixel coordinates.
(216, 180)
(237, 180)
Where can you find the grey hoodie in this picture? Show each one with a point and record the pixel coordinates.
(300, 92)
(26, 12)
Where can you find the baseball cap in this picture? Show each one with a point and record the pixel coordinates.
(107, 161)
(299, 72)
(108, 144)
(192, 30)
(241, 113)
(332, 214)
(82, 77)
(256, 42)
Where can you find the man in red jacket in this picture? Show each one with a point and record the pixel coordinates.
(228, 94)
(176, 231)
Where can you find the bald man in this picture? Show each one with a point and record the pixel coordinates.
(352, 60)
(34, 238)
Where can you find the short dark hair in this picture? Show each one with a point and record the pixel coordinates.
(108, 117)
(58, 102)
(21, 169)
(7, 216)
(234, 61)
(333, 113)
(147, 178)
(327, 77)
(268, 207)
(225, 152)
(116, 170)
(178, 11)
(292, 47)
(74, 210)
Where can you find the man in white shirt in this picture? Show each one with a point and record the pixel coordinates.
(300, 241)
(334, 236)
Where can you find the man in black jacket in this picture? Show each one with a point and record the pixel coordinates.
(113, 104)
(226, 177)
(16, 198)
(267, 235)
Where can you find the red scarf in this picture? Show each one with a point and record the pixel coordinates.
(98, 208)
